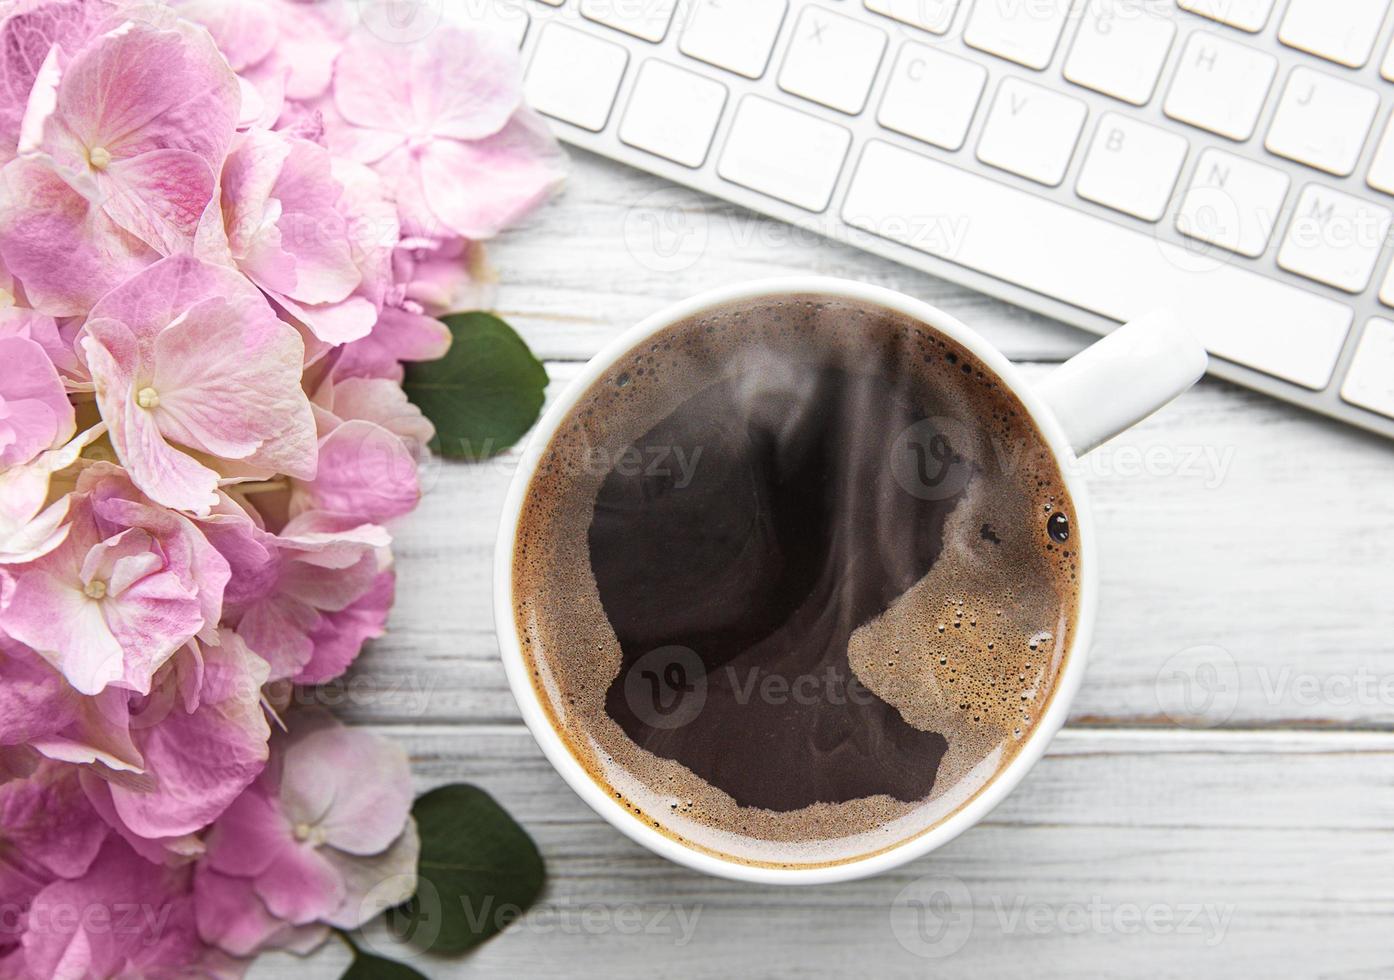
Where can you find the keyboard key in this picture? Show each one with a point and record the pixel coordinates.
(1386, 289)
(673, 113)
(644, 19)
(1322, 121)
(1334, 238)
(1233, 203)
(1131, 167)
(736, 36)
(928, 15)
(1093, 263)
(1220, 85)
(1024, 31)
(1381, 176)
(1342, 32)
(1247, 15)
(832, 60)
(1386, 68)
(784, 153)
(1120, 50)
(1031, 131)
(932, 95)
(574, 76)
(1370, 380)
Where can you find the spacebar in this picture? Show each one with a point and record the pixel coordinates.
(1094, 264)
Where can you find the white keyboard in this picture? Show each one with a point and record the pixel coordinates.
(1091, 159)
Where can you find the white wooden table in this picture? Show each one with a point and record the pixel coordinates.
(1247, 562)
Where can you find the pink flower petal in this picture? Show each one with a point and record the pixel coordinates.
(321, 785)
(67, 629)
(223, 375)
(141, 88)
(48, 822)
(374, 884)
(100, 735)
(59, 943)
(202, 760)
(159, 197)
(27, 34)
(249, 835)
(245, 32)
(65, 251)
(311, 37)
(339, 636)
(478, 188)
(400, 335)
(35, 414)
(455, 83)
(366, 475)
(157, 850)
(34, 698)
(169, 476)
(43, 330)
(228, 378)
(108, 610)
(383, 403)
(278, 629)
(232, 917)
(300, 886)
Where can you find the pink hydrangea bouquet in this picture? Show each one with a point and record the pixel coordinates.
(224, 226)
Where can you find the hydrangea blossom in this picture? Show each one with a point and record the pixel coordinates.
(224, 225)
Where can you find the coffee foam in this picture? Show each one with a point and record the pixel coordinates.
(968, 651)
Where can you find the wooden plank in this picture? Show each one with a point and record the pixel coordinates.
(618, 244)
(1226, 521)
(1124, 853)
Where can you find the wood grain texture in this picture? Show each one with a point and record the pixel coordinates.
(1124, 853)
(1247, 553)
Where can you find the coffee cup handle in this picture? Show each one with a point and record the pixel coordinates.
(1123, 378)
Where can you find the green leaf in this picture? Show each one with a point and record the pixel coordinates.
(484, 394)
(479, 871)
(366, 966)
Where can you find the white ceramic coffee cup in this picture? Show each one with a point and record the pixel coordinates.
(1104, 390)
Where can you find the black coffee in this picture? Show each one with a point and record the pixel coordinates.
(795, 579)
